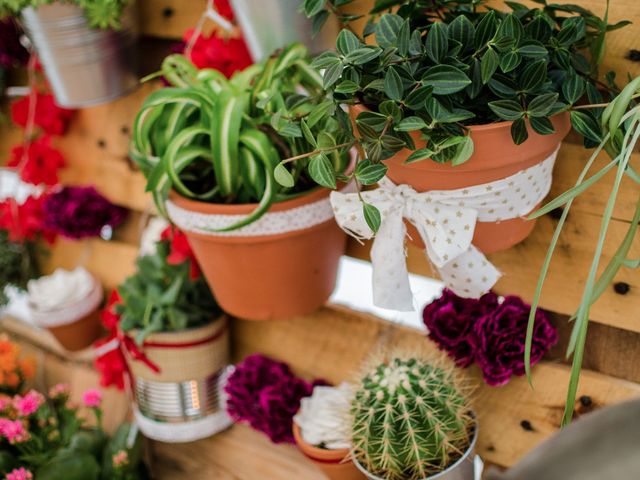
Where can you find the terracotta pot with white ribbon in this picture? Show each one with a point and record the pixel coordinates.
(495, 157)
(282, 265)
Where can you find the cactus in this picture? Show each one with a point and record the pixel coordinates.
(411, 420)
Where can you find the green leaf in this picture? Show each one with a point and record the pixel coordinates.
(387, 29)
(541, 105)
(392, 143)
(318, 22)
(319, 111)
(393, 85)
(464, 150)
(332, 74)
(445, 79)
(418, 155)
(511, 27)
(533, 75)
(371, 216)
(436, 44)
(486, 29)
(308, 135)
(363, 55)
(519, 132)
(507, 109)
(347, 42)
(369, 173)
(313, 7)
(586, 125)
(533, 50)
(461, 30)
(501, 89)
(321, 171)
(347, 86)
(488, 64)
(415, 44)
(283, 176)
(416, 98)
(573, 88)
(410, 124)
(325, 60)
(225, 133)
(402, 42)
(542, 125)
(510, 61)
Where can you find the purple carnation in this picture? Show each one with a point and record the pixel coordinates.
(450, 319)
(12, 53)
(266, 394)
(80, 212)
(500, 339)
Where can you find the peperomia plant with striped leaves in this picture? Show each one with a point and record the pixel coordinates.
(220, 140)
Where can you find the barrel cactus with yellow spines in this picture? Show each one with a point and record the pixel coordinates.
(411, 419)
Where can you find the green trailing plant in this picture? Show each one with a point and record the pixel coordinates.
(163, 296)
(220, 140)
(620, 126)
(100, 13)
(411, 419)
(436, 67)
(18, 264)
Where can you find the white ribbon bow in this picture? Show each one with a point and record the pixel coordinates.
(445, 220)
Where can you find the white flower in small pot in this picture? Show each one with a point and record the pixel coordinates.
(322, 429)
(412, 421)
(66, 303)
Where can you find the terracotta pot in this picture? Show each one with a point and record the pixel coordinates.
(267, 276)
(335, 464)
(77, 325)
(495, 157)
(181, 400)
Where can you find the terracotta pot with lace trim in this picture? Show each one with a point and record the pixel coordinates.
(280, 266)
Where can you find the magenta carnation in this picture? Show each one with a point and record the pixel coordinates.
(500, 339)
(450, 319)
(266, 394)
(80, 212)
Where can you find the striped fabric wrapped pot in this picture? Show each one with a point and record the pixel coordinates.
(177, 380)
(282, 265)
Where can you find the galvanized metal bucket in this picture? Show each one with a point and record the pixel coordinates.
(85, 66)
(271, 24)
(466, 468)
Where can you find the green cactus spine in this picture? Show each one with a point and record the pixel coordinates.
(411, 420)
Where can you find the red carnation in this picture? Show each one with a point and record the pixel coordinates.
(41, 162)
(24, 222)
(51, 118)
(108, 315)
(223, 8)
(111, 365)
(227, 55)
(180, 250)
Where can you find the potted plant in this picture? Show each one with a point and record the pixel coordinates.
(175, 342)
(18, 265)
(451, 95)
(47, 438)
(322, 433)
(212, 149)
(411, 420)
(87, 47)
(67, 303)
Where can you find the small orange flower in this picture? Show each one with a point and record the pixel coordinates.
(28, 368)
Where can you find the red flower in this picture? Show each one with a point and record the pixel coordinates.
(41, 164)
(223, 8)
(24, 222)
(108, 315)
(53, 119)
(180, 250)
(111, 365)
(213, 51)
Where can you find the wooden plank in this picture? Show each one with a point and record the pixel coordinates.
(332, 343)
(169, 18)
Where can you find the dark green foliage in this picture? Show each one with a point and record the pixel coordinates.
(18, 264)
(100, 13)
(161, 297)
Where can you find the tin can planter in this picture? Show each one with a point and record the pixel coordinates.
(85, 66)
(176, 379)
(495, 157)
(75, 325)
(282, 265)
(463, 469)
(335, 464)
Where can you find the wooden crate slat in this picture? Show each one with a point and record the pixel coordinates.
(169, 18)
(332, 342)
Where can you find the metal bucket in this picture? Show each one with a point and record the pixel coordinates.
(85, 66)
(271, 24)
(466, 468)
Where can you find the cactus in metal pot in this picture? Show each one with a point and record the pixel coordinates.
(411, 420)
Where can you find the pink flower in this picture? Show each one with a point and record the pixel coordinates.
(120, 459)
(59, 390)
(92, 398)
(29, 404)
(5, 402)
(19, 474)
(13, 431)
